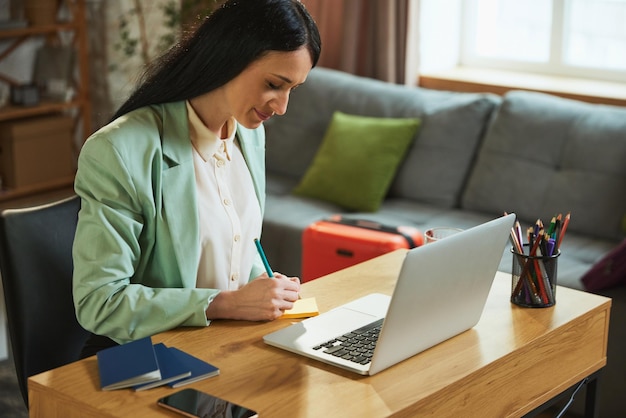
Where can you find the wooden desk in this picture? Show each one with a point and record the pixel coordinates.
(514, 360)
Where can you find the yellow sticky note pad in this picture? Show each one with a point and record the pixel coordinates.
(302, 308)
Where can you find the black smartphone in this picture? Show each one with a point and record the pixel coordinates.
(196, 404)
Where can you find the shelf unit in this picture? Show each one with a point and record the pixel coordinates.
(81, 103)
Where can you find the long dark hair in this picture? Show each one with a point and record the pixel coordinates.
(233, 36)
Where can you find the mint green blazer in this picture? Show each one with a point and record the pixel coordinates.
(136, 249)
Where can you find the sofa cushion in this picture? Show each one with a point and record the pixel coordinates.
(452, 127)
(436, 168)
(357, 160)
(543, 155)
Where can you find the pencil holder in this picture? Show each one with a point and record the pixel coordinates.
(534, 280)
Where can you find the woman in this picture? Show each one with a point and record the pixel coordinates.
(172, 190)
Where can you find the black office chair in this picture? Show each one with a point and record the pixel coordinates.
(36, 267)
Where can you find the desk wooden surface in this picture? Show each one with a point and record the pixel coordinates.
(512, 361)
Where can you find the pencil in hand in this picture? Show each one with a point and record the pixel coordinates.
(268, 269)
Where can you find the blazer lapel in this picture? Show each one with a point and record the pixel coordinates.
(252, 147)
(178, 189)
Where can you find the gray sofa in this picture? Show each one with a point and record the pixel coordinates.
(474, 157)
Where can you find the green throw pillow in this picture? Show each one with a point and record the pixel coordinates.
(357, 160)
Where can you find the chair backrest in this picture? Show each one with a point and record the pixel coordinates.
(36, 267)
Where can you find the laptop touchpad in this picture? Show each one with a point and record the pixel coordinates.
(313, 331)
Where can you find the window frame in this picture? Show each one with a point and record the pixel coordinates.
(554, 66)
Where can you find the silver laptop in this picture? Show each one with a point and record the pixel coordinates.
(441, 291)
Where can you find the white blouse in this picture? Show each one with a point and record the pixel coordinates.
(228, 209)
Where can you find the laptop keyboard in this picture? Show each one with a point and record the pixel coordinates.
(356, 346)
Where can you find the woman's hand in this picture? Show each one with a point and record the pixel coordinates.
(263, 299)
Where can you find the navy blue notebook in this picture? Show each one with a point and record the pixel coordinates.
(128, 365)
(200, 369)
(171, 368)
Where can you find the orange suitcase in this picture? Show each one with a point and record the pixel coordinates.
(336, 243)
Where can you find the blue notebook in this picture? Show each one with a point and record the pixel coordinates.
(200, 369)
(128, 365)
(171, 368)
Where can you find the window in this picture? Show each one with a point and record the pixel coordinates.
(580, 38)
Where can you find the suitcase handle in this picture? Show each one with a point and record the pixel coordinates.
(375, 226)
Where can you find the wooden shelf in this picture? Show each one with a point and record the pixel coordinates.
(81, 103)
(38, 30)
(10, 194)
(10, 112)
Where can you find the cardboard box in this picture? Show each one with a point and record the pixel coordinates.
(36, 150)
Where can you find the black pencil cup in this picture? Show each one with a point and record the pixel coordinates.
(534, 280)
